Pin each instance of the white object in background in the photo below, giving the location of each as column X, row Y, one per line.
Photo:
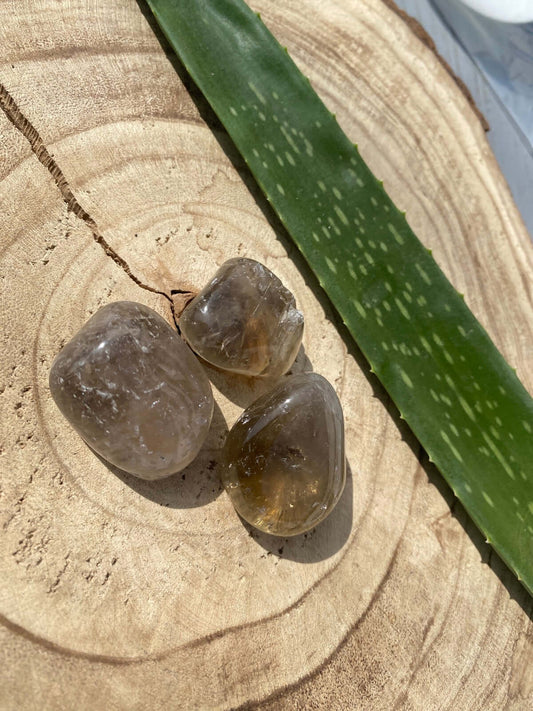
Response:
column 504, row 10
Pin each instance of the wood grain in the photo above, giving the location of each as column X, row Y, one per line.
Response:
column 117, row 182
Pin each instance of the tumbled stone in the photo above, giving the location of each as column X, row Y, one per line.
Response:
column 244, row 321
column 134, row 391
column 284, row 464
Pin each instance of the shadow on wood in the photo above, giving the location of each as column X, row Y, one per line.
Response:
column 197, row 485
column 321, row 542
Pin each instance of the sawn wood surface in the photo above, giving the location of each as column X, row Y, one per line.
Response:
column 115, row 184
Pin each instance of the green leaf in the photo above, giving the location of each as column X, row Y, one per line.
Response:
column 450, row 383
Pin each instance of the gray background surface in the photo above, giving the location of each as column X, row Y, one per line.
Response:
column 495, row 60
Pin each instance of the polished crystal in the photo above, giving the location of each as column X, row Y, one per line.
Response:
column 134, row 391
column 244, row 321
column 284, row 463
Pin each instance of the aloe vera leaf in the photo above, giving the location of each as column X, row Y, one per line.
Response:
column 452, row 386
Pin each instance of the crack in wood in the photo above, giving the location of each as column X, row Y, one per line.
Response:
column 30, row 133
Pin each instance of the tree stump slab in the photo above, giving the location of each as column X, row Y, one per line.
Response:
column 117, row 182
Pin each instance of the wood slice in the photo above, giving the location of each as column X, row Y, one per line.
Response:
column 116, row 183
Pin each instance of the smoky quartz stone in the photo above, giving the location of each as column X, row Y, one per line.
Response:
column 244, row 321
column 134, row 391
column 284, row 462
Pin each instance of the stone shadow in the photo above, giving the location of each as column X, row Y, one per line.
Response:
column 319, row 543
column 196, row 485
column 243, row 390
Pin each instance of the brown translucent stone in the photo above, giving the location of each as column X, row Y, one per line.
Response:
column 245, row 321
column 284, row 464
column 134, row 391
